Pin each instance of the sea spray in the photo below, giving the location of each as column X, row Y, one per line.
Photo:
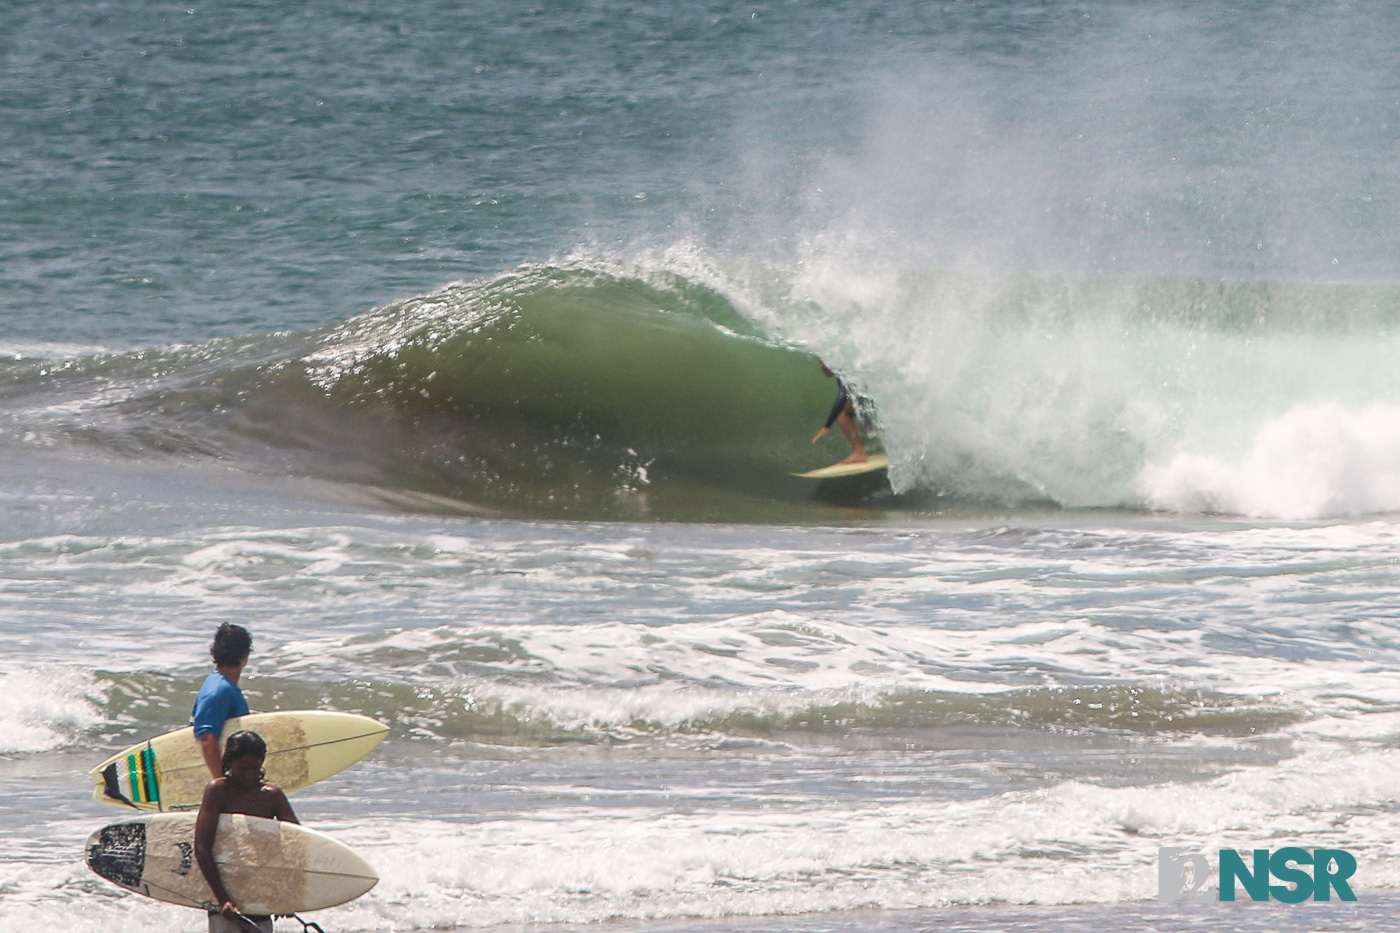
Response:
column 1081, row 390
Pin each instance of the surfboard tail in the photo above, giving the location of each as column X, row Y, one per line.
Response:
column 111, row 790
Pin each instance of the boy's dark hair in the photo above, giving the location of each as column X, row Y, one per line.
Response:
column 241, row 744
column 232, row 644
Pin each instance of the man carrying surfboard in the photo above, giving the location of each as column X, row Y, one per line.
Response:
column 240, row 789
column 220, row 698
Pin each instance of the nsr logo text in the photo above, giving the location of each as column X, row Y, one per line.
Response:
column 1330, row 870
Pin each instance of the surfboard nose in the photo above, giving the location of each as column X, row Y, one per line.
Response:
column 118, row 853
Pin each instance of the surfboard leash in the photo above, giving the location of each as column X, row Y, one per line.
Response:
column 305, row 924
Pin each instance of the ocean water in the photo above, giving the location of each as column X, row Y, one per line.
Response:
column 464, row 353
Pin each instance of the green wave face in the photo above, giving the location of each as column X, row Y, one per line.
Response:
column 668, row 370
column 565, row 391
column 580, row 392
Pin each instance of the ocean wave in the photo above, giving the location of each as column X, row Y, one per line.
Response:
column 556, row 390
column 42, row 709
column 671, row 388
column 137, row 705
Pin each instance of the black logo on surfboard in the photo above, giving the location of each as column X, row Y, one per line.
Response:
column 186, row 858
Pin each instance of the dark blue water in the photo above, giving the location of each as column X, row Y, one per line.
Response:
column 176, row 171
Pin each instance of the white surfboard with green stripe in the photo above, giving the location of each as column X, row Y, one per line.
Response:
column 303, row 746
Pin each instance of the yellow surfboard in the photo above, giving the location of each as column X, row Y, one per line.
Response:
column 876, row 462
column 267, row 866
column 303, row 747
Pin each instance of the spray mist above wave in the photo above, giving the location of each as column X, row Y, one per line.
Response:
column 1063, row 255
column 1112, row 391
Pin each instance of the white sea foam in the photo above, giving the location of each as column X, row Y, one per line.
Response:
column 1074, row 842
column 48, row 350
column 1315, row 461
column 1088, row 391
column 59, row 892
column 946, row 613
column 44, row 708
column 1071, row 843
column 770, row 665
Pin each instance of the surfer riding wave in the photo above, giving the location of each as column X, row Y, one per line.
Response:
column 851, row 412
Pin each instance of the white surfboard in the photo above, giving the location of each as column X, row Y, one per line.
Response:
column 303, row 746
column 876, row 462
column 268, row 867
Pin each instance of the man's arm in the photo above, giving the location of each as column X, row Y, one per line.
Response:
column 205, row 826
column 284, row 808
column 213, row 759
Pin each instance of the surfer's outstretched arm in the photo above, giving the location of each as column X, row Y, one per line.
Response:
column 843, row 403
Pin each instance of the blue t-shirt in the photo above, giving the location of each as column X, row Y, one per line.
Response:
column 219, row 700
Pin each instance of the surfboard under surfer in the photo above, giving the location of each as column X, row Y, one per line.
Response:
column 239, row 789
column 220, row 698
column 843, row 412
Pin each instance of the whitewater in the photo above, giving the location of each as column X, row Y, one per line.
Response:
column 466, row 353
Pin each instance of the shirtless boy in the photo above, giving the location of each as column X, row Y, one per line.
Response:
column 240, row 790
